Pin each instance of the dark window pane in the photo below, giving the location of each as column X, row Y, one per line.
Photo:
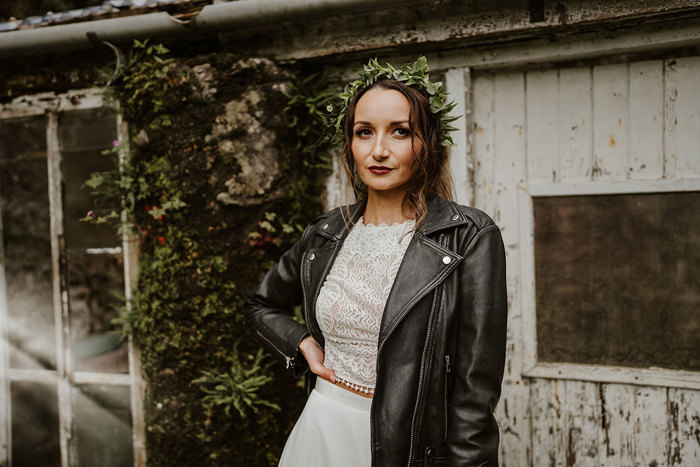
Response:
column 87, row 129
column 24, row 205
column 618, row 279
column 96, row 278
column 103, row 424
column 35, row 425
column 96, row 288
column 83, row 137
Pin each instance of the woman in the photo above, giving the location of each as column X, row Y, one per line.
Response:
column 404, row 296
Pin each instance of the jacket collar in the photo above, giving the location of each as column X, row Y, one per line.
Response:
column 441, row 215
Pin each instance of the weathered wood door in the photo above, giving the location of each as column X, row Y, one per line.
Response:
column 577, row 133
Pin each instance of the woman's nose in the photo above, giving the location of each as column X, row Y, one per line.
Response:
column 380, row 150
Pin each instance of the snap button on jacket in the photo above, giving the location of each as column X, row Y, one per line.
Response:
column 442, row 338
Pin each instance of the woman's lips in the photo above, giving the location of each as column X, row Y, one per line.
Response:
column 379, row 170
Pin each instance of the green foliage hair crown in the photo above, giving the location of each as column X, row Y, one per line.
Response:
column 416, row 76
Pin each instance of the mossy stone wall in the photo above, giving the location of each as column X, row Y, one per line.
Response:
column 229, row 153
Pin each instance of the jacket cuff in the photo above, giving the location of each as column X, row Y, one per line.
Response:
column 299, row 366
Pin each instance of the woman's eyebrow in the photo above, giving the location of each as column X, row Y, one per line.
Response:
column 397, row 122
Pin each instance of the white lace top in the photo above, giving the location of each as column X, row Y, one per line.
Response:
column 351, row 301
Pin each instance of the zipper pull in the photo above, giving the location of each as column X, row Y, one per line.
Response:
column 447, row 363
column 289, row 362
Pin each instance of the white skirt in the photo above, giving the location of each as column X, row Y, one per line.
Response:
column 333, row 430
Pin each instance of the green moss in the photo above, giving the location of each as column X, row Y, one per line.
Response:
column 198, row 257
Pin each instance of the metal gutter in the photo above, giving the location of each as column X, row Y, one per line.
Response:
column 215, row 18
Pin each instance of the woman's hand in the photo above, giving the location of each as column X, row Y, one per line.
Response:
column 314, row 356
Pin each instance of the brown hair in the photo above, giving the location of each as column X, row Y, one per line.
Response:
column 432, row 175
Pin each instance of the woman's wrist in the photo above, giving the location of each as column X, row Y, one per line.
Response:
column 304, row 344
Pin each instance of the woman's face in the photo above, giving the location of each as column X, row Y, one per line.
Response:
column 382, row 143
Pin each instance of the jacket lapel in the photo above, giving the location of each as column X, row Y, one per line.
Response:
column 317, row 262
column 425, row 265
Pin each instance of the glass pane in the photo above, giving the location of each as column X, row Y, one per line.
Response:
column 103, row 426
column 35, row 425
column 87, row 129
column 83, row 136
column 96, row 287
column 618, row 279
column 24, row 205
column 95, row 270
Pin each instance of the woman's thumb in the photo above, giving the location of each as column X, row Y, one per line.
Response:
column 327, row 373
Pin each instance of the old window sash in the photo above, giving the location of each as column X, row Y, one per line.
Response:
column 586, row 372
column 64, row 377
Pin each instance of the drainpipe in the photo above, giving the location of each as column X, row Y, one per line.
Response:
column 220, row 17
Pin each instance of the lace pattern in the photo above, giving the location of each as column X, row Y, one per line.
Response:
column 351, row 301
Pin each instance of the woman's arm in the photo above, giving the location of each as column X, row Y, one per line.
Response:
column 268, row 309
column 472, row 434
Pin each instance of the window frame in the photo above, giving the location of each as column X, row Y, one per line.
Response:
column 532, row 368
column 64, row 377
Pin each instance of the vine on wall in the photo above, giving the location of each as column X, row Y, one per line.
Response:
column 207, row 232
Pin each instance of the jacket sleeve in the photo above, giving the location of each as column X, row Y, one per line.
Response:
column 472, row 434
column 269, row 307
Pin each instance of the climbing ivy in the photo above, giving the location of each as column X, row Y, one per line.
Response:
column 210, row 398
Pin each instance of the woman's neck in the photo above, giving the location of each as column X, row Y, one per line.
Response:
column 384, row 208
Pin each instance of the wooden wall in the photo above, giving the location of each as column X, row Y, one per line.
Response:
column 624, row 127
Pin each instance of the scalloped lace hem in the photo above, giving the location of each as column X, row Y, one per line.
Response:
column 357, row 387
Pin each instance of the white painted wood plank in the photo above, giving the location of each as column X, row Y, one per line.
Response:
column 576, row 123
column 105, row 379
column 567, row 424
column 459, row 155
column 583, row 422
column 5, row 391
column 610, row 121
column 32, row 375
column 547, row 430
column 38, row 104
column 508, row 176
column 484, row 143
column 637, row 429
column 542, row 125
column 82, row 99
column 682, row 122
column 509, row 160
column 684, row 419
column 614, row 187
column 617, row 374
column 130, row 247
column 527, row 281
column 60, row 297
column 646, row 120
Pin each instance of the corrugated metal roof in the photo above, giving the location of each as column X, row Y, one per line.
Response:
column 108, row 9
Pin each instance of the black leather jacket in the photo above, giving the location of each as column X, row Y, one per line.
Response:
column 441, row 341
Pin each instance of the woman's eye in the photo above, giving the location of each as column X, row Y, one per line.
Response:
column 363, row 132
column 402, row 132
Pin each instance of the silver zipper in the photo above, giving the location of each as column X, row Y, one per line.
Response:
column 422, row 367
column 447, row 377
column 303, row 295
column 286, row 357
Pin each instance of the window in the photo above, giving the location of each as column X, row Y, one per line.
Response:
column 71, row 386
column 618, row 279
